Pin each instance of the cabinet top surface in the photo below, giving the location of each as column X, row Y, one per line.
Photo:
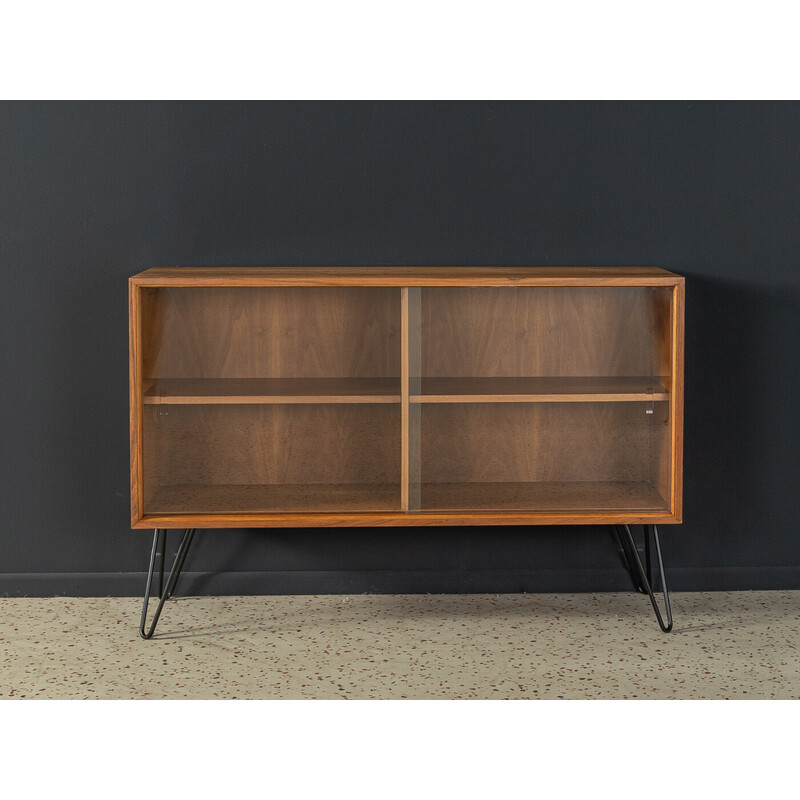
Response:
column 406, row 276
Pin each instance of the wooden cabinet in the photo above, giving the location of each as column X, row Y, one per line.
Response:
column 405, row 396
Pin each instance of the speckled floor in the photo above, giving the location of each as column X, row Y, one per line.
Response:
column 572, row 646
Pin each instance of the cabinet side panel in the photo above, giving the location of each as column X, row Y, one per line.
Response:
column 678, row 338
column 134, row 399
column 151, row 331
column 659, row 330
column 153, row 454
column 660, row 340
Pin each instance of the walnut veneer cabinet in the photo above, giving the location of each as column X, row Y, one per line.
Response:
column 264, row 397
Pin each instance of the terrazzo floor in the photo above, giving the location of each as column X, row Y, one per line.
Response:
column 737, row 645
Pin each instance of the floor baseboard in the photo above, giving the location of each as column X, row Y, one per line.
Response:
column 131, row 584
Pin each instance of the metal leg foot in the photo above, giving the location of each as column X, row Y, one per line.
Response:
column 160, row 551
column 644, row 578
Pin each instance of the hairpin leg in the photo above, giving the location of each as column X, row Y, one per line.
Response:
column 644, row 579
column 160, row 551
column 630, row 564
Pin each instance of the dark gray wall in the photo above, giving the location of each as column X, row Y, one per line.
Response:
column 91, row 193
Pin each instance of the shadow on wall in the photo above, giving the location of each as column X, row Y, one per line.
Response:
column 741, row 427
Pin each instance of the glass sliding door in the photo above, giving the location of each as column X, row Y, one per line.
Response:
column 540, row 399
column 261, row 400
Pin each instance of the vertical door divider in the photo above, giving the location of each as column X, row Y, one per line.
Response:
column 410, row 377
column 405, row 444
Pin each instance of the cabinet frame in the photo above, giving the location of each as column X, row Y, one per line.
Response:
column 403, row 278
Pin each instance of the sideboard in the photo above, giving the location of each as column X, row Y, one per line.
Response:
column 288, row 397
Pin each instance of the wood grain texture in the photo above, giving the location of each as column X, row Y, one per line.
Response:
column 660, row 335
column 274, row 333
column 153, row 454
column 542, row 390
column 541, row 332
column 276, row 498
column 584, row 496
column 233, row 391
column 405, row 276
column 135, row 400
column 315, row 498
column 531, row 442
column 415, row 387
column 658, row 433
column 404, row 408
column 149, row 326
column 401, row 519
column 676, row 433
column 213, row 445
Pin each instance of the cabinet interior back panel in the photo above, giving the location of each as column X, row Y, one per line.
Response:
column 273, row 444
column 532, row 442
column 545, row 331
column 225, row 332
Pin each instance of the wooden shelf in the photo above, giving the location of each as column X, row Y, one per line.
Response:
column 541, row 390
column 216, row 391
column 260, row 499
column 377, row 497
column 581, row 496
column 259, row 391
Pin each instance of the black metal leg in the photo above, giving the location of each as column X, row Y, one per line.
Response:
column 160, row 549
column 180, row 559
column 645, row 578
column 162, row 557
column 630, row 564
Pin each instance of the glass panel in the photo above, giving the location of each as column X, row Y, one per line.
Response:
column 217, row 459
column 543, row 456
column 572, row 331
column 545, row 398
column 271, row 399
